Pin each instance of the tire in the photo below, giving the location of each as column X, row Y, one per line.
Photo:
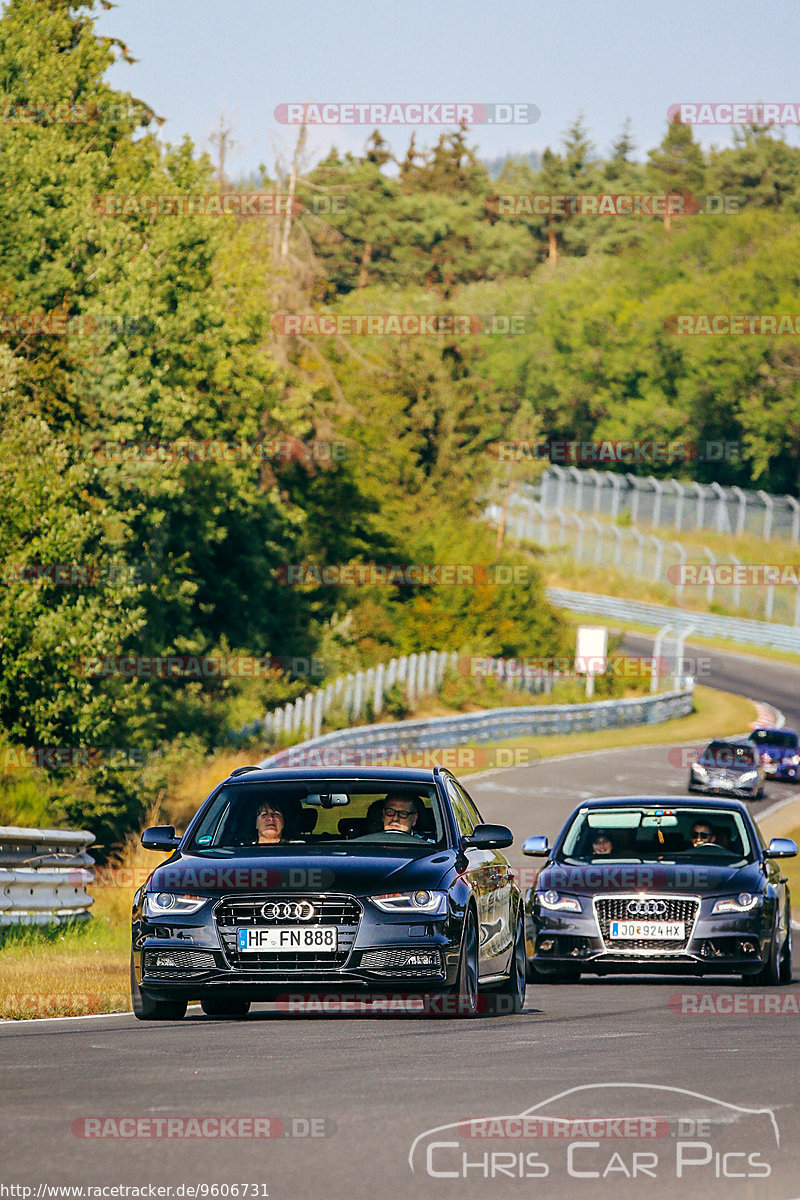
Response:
column 465, row 989
column 509, row 998
column 147, row 1008
column 225, row 1006
column 785, row 968
column 770, row 973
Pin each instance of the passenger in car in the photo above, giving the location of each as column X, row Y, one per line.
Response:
column 270, row 823
column 602, row 844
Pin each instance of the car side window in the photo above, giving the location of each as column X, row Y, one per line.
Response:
column 463, row 820
column 469, row 805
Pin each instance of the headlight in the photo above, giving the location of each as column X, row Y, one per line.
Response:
column 432, row 904
column 795, row 760
column 736, row 904
column 558, row 902
column 698, row 770
column 164, row 904
column 749, row 776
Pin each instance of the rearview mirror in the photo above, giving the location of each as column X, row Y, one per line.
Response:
column 160, row 837
column 536, row 847
column 781, row 848
column 328, row 799
column 488, row 837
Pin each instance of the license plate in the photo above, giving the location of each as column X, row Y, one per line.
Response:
column 287, row 939
column 657, row 930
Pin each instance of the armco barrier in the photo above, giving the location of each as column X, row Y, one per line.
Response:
column 756, row 633
column 498, row 724
column 43, row 874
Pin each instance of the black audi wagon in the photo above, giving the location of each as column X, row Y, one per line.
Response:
column 333, row 881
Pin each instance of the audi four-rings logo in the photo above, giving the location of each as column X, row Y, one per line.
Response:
column 288, row 910
column 646, row 908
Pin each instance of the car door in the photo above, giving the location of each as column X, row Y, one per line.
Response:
column 477, row 871
column 497, row 932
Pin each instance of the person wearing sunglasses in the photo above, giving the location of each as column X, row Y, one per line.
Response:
column 702, row 834
column 400, row 814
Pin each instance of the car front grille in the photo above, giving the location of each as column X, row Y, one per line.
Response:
column 723, row 778
column 234, row 912
column 677, row 908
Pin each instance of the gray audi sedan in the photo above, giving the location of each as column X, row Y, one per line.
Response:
column 659, row 884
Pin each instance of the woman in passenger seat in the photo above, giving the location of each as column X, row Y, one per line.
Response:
column 270, row 823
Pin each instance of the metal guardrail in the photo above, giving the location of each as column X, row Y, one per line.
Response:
column 43, row 874
column 374, row 744
column 739, row 629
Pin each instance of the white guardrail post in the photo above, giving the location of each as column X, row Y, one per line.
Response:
column 43, row 874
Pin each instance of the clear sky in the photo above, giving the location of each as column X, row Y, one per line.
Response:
column 610, row 59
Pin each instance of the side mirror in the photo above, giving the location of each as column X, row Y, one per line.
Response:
column 160, row 837
column 536, row 847
column 488, row 837
column 781, row 848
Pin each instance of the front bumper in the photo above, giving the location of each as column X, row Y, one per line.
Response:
column 721, row 786
column 715, row 945
column 198, row 955
column 782, row 772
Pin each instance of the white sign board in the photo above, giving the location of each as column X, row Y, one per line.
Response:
column 591, row 653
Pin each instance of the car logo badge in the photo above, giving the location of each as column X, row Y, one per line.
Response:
column 646, row 908
column 288, row 910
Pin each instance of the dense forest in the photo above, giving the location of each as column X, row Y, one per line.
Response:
column 141, row 321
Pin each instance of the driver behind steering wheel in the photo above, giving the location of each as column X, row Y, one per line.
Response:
column 400, row 813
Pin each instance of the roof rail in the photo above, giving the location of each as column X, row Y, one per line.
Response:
column 242, row 771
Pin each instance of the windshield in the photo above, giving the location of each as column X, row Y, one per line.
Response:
column 321, row 813
column 649, row 834
column 726, row 754
column 774, row 737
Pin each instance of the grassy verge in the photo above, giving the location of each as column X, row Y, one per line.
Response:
column 84, row 968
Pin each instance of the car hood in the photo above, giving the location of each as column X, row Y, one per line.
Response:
column 681, row 878
column 732, row 767
column 375, row 869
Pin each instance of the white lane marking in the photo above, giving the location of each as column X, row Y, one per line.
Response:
column 84, row 1017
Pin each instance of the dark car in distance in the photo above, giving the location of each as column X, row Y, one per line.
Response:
column 660, row 885
column 779, row 753
column 382, row 881
column 728, row 767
